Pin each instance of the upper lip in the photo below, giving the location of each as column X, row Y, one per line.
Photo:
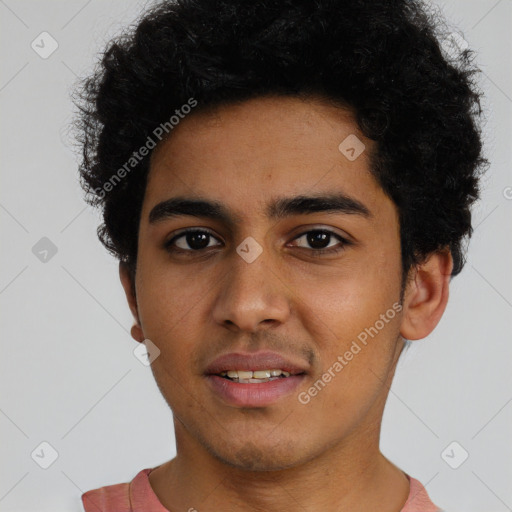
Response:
column 253, row 361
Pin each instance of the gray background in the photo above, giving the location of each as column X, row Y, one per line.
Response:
column 68, row 374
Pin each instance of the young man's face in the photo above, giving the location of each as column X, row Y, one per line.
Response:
column 211, row 299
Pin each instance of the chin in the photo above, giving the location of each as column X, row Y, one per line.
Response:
column 253, row 457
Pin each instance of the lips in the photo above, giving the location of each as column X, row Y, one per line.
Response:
column 246, row 396
column 248, row 393
column 256, row 361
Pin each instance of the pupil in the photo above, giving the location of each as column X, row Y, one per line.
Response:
column 197, row 240
column 317, row 240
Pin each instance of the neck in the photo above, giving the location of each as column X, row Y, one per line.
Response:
column 350, row 479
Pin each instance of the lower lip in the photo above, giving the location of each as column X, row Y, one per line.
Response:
column 254, row 395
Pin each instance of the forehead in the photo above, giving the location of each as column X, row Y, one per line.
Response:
column 243, row 155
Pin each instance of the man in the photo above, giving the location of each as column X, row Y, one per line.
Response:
column 287, row 186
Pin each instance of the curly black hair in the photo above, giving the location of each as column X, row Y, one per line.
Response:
column 386, row 59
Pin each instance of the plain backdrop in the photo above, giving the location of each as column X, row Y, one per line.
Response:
column 69, row 377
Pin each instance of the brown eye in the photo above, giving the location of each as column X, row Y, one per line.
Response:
column 322, row 241
column 192, row 240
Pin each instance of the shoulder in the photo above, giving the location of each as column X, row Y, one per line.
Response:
column 418, row 499
column 113, row 498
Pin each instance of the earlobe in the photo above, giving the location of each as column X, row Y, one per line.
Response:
column 136, row 332
column 129, row 289
column 426, row 295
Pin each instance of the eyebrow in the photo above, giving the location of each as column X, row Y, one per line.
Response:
column 276, row 209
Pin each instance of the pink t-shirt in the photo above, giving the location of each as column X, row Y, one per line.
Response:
column 138, row 496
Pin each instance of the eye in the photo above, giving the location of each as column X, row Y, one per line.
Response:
column 190, row 240
column 320, row 241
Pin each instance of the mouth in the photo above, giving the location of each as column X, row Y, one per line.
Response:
column 257, row 379
column 253, row 389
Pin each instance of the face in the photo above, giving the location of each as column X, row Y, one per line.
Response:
column 315, row 281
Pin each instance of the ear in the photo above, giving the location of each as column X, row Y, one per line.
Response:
column 426, row 295
column 127, row 280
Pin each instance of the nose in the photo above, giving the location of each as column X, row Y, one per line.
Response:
column 252, row 296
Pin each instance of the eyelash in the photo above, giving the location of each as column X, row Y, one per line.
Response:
column 315, row 252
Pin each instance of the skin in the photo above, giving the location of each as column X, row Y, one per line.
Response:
column 323, row 455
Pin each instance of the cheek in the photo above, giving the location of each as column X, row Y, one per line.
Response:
column 169, row 305
column 348, row 299
column 354, row 319
column 355, row 344
column 167, row 295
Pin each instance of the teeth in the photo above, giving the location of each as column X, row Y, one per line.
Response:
column 261, row 374
column 251, row 375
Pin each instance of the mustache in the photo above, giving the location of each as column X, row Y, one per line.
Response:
column 262, row 340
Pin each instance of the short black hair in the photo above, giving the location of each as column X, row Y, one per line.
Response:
column 385, row 59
